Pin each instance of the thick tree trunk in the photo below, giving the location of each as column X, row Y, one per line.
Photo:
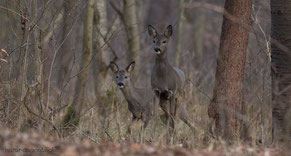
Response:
column 100, row 69
column 227, row 104
column 65, row 55
column 180, row 34
column 281, row 67
column 72, row 116
column 130, row 19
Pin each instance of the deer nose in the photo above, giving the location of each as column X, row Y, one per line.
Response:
column 120, row 85
column 157, row 50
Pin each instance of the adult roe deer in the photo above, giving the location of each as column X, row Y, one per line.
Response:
column 167, row 82
column 139, row 99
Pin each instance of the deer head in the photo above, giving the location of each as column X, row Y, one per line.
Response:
column 160, row 41
column 122, row 76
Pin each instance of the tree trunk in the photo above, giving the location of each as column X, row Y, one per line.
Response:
column 131, row 24
column 281, row 67
column 180, row 34
column 73, row 114
column 65, row 55
column 100, row 69
column 226, row 107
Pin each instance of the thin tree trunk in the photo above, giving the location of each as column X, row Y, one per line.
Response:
column 226, row 106
column 281, row 68
column 23, row 60
column 180, row 34
column 199, row 35
column 130, row 19
column 38, row 75
column 72, row 116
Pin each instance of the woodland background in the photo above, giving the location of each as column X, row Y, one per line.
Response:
column 57, row 64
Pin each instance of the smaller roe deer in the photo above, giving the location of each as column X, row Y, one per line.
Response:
column 139, row 99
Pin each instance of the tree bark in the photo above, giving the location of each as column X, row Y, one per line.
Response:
column 226, row 107
column 100, row 69
column 73, row 114
column 281, row 67
column 131, row 24
column 65, row 55
column 180, row 34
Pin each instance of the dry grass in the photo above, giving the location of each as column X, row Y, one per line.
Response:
column 35, row 144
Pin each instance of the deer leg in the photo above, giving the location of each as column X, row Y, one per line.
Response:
column 169, row 94
column 143, row 127
column 142, row 131
column 172, row 112
column 164, row 118
column 168, row 121
column 184, row 117
column 157, row 92
column 166, row 109
column 145, row 124
column 172, row 107
column 130, row 124
column 156, row 101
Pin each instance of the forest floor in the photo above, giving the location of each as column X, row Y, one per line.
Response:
column 14, row 143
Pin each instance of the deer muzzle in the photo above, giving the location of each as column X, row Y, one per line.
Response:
column 120, row 85
column 157, row 50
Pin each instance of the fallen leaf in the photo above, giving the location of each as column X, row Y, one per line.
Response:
column 4, row 60
column 3, row 50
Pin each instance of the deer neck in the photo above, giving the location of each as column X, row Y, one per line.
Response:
column 162, row 58
column 128, row 91
column 162, row 62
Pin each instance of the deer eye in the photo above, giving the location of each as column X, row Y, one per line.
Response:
column 154, row 41
column 164, row 41
column 126, row 77
column 117, row 76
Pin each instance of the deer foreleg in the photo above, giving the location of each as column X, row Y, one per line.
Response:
column 169, row 94
column 130, row 124
column 172, row 111
column 156, row 101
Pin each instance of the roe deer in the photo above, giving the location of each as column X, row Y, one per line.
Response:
column 139, row 99
column 167, row 82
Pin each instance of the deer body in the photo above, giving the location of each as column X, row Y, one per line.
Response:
column 165, row 77
column 139, row 99
column 167, row 81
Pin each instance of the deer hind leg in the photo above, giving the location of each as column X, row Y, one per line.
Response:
column 166, row 117
column 183, row 114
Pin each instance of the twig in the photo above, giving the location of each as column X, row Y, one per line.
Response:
column 81, row 70
column 111, row 139
column 53, row 61
column 93, row 140
column 117, row 11
column 33, row 113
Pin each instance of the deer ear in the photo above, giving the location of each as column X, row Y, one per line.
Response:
column 130, row 67
column 169, row 31
column 114, row 67
column 152, row 31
